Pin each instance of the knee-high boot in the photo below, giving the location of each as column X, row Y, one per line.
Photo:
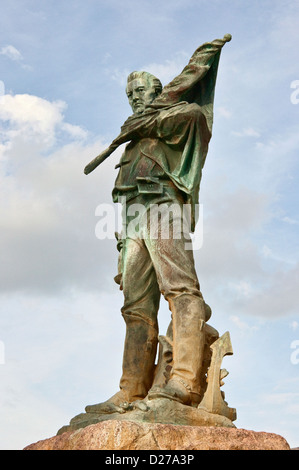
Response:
column 138, row 365
column 139, row 357
column 188, row 314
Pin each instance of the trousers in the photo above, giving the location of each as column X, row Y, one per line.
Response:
column 154, row 261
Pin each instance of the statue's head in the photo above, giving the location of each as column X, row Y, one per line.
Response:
column 142, row 89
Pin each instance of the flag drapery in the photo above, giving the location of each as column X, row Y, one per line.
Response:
column 196, row 84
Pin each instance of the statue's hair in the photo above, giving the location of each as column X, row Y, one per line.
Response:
column 149, row 77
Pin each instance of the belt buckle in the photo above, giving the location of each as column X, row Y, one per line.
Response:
column 149, row 185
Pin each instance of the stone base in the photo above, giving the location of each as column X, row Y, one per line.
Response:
column 160, row 410
column 128, row 435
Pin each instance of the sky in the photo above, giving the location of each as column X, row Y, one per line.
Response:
column 63, row 69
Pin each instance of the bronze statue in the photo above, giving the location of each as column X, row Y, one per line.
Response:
column 168, row 137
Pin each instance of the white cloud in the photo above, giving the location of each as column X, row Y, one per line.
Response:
column 31, row 117
column 47, row 203
column 243, row 326
column 290, row 220
column 169, row 69
column 248, row 132
column 285, row 25
column 49, row 370
column 75, row 131
column 277, row 296
column 53, row 271
column 164, row 71
column 11, row 52
column 294, row 325
column 286, row 398
column 224, row 112
column 283, row 143
column 119, row 76
column 270, row 255
column 243, row 288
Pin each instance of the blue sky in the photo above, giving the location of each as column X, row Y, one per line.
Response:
column 63, row 66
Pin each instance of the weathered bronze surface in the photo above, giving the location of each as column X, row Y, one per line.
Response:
column 167, row 142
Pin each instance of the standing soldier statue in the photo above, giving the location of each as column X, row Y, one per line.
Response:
column 167, row 142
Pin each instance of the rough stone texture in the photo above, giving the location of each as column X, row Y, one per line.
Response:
column 127, row 435
column 160, row 410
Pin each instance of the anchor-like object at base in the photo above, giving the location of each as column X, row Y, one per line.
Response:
column 213, row 399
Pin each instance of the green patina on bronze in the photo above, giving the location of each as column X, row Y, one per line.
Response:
column 181, row 118
column 167, row 143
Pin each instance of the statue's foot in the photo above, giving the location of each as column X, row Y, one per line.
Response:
column 176, row 389
column 115, row 404
column 135, row 405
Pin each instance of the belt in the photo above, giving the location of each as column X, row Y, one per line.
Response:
column 149, row 185
column 146, row 185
